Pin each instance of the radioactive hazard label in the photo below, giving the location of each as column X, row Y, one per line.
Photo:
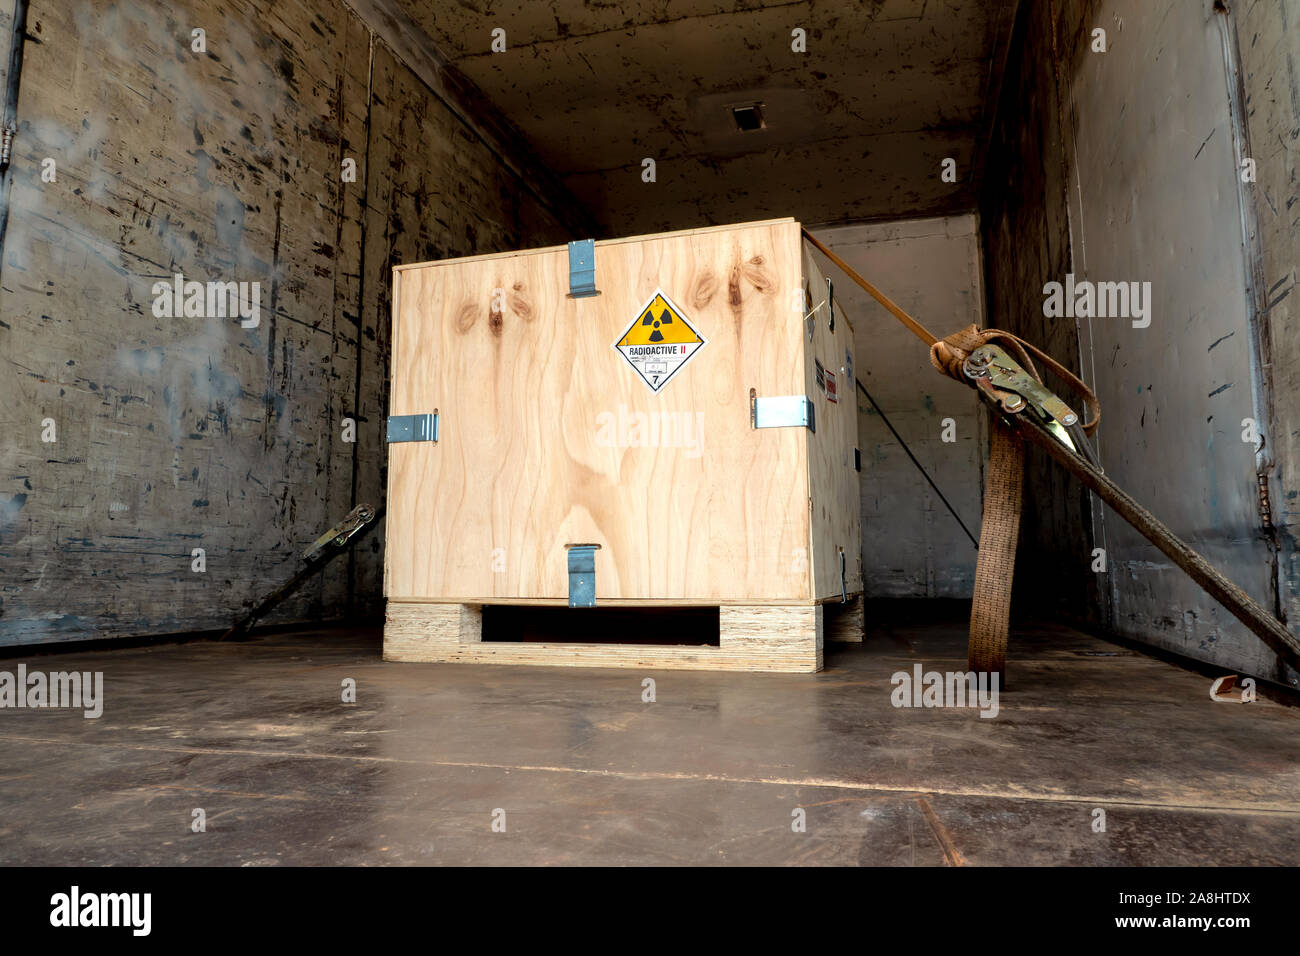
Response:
column 659, row 341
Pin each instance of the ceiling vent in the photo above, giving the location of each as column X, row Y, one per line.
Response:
column 748, row 117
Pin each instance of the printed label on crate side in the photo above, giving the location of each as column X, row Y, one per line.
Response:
column 659, row 342
column 830, row 387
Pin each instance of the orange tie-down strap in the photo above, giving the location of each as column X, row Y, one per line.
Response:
column 1004, row 486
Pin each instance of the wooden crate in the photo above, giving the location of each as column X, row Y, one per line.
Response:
column 549, row 434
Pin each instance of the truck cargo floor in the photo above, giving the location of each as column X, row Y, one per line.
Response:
column 713, row 771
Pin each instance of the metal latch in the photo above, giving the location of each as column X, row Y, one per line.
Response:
column 582, row 269
column 782, row 411
column 582, row 574
column 413, row 427
column 1002, row 379
column 357, row 518
column 990, row 364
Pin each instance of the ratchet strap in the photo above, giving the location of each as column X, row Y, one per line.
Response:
column 995, row 565
column 1000, row 366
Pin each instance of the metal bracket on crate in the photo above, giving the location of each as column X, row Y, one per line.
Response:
column 413, row 427
column 582, row 269
column 582, row 574
column 782, row 411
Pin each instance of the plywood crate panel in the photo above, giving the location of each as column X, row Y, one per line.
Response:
column 548, row 436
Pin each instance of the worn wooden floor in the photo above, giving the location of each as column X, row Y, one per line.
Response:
column 587, row 773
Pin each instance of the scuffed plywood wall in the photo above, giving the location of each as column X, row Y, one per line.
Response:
column 1120, row 166
column 1269, row 40
column 6, row 29
column 1025, row 230
column 1156, row 176
column 182, row 433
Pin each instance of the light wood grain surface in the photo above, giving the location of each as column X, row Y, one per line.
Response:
column 834, row 498
column 532, row 457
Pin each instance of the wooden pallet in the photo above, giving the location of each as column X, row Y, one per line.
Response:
column 756, row 637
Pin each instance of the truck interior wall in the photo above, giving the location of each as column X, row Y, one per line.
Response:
column 6, row 29
column 911, row 546
column 1025, row 234
column 181, row 433
column 1268, row 43
column 1096, row 171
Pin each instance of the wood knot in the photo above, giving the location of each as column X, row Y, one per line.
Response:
column 519, row 305
column 753, row 271
column 466, row 318
column 705, row 289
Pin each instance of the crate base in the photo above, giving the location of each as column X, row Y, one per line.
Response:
column 846, row 623
column 757, row 637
